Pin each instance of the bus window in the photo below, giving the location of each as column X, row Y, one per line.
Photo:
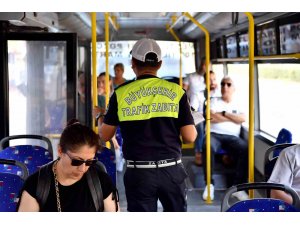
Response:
column 119, row 52
column 279, row 88
column 219, row 71
column 240, row 75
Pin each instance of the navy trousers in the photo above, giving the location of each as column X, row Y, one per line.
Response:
column 144, row 187
column 236, row 147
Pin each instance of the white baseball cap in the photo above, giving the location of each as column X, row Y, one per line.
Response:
column 144, row 46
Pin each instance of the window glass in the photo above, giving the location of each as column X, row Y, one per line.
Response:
column 243, row 43
column 240, row 76
column 220, row 48
column 37, row 87
column 119, row 52
column 290, row 38
column 231, row 47
column 218, row 70
column 279, row 91
column 266, row 41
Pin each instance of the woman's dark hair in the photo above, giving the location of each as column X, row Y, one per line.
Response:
column 76, row 135
column 103, row 74
column 120, row 65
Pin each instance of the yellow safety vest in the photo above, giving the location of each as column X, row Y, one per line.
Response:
column 148, row 98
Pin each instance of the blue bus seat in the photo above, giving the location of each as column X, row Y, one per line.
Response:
column 108, row 158
column 31, row 155
column 260, row 204
column 271, row 158
column 284, row 136
column 11, row 185
column 283, row 140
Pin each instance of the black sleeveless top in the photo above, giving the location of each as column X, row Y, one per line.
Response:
column 73, row 198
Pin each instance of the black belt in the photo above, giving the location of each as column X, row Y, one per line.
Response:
column 152, row 164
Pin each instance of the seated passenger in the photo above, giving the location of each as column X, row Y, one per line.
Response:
column 226, row 120
column 287, row 172
column 69, row 186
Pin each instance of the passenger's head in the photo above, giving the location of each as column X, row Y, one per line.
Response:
column 76, row 135
column 227, row 88
column 202, row 67
column 146, row 55
column 81, row 83
column 78, row 143
column 213, row 80
column 101, row 82
column 119, row 70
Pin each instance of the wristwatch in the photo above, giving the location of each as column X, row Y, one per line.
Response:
column 99, row 115
column 223, row 113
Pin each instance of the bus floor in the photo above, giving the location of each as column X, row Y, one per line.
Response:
column 195, row 187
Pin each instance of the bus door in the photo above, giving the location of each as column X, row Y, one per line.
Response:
column 39, row 83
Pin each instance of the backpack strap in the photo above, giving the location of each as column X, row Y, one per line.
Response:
column 43, row 184
column 95, row 188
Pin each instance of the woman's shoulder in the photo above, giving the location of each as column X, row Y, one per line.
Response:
column 30, row 184
column 33, row 180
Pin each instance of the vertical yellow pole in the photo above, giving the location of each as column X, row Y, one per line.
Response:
column 94, row 64
column 180, row 53
column 251, row 102
column 106, row 15
column 207, row 55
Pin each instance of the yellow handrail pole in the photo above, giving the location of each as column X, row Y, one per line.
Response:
column 94, row 64
column 180, row 52
column 208, row 153
column 106, row 16
column 107, row 91
column 251, row 101
column 175, row 20
column 112, row 20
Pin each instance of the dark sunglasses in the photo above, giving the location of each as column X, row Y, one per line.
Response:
column 79, row 162
column 224, row 83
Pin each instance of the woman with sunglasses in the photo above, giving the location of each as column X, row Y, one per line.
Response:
column 69, row 188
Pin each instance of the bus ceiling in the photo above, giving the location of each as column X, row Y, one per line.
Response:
column 135, row 25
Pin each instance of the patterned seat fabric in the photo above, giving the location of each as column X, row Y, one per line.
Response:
column 10, row 186
column 32, row 156
column 262, row 205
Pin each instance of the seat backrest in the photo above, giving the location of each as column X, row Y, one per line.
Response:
column 284, row 140
column 108, row 158
column 271, row 157
column 11, row 185
column 260, row 204
column 31, row 155
column 284, row 136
